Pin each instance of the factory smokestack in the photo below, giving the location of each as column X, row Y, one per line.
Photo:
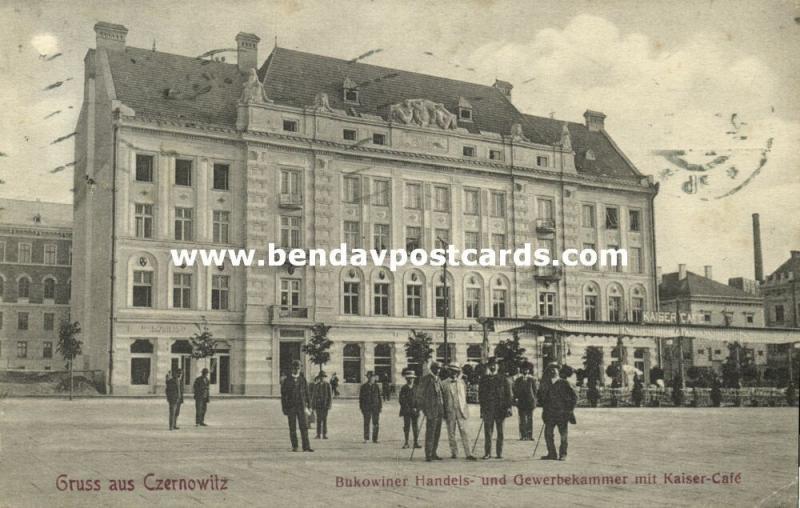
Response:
column 757, row 259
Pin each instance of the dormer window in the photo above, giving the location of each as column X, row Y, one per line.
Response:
column 464, row 110
column 590, row 155
column 350, row 91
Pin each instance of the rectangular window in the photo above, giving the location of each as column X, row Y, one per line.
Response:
column 49, row 321
column 413, row 238
column 441, row 200
column 142, row 289
column 465, row 114
column 1, row 320
column 221, row 174
column 637, row 309
column 472, row 240
column 635, row 259
column 183, row 172
column 352, row 234
column 590, row 308
column 352, row 291
column 290, row 293
column 184, row 224
column 587, row 216
column 22, row 349
column 634, row 220
column 222, row 220
column 499, row 299
column 612, row 217
column 22, row 320
column 547, row 304
column 495, row 155
column 498, row 204
column 779, row 314
column 380, row 192
column 290, row 182
column 615, row 308
column 442, row 236
column 591, row 246
column 749, row 318
column 50, row 254
column 380, row 237
column 24, row 253
column 220, row 292
column 47, row 350
column 352, row 189
column 349, row 134
column 617, row 268
column 290, row 232
column 472, row 204
column 181, row 290
column 144, row 220
column 290, row 125
column 2, row 251
column 545, row 208
column 381, row 299
column 541, row 160
column 472, row 298
column 414, row 196
column 414, row 300
column 144, row 168
column 140, row 371
column 378, row 139
column 351, row 363
column 351, row 96
column 498, row 242
column 468, row 151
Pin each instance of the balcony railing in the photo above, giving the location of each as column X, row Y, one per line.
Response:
column 547, row 274
column 545, row 225
column 279, row 313
column 291, row 201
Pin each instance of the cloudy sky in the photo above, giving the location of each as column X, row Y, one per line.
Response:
column 701, row 95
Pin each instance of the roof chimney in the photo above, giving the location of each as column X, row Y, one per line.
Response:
column 795, row 254
column 681, row 272
column 595, row 120
column 247, row 51
column 708, row 272
column 757, row 259
column 504, row 86
column 110, row 36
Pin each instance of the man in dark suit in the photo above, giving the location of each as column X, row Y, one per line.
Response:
column 172, row 399
column 558, row 400
column 408, row 408
column 371, row 403
column 494, row 395
column 524, row 391
column 431, row 401
column 295, row 401
column 202, row 390
column 321, row 398
column 178, row 375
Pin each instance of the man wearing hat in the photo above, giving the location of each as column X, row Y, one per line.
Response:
column 494, row 395
column 201, row 389
column 456, row 411
column 371, row 403
column 408, row 407
column 429, row 399
column 295, row 401
column 524, row 391
column 558, row 400
column 321, row 399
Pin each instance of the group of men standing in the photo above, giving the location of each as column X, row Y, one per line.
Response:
column 174, row 392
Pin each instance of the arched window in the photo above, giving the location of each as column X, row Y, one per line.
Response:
column 383, row 361
column 499, row 297
column 141, row 352
column 24, row 287
column 443, row 296
column 381, row 293
column 49, row 288
column 590, row 302
column 638, row 304
column 415, row 286
column 474, row 353
column 616, row 309
column 473, row 296
column 351, row 363
column 351, row 293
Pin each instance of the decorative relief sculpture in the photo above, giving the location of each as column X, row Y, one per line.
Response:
column 566, row 140
column 517, row 134
column 322, row 103
column 424, row 113
column 253, row 91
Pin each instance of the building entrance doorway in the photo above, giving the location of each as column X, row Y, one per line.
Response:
column 289, row 351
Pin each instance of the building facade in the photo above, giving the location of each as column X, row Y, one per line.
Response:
column 308, row 151
column 35, row 282
column 781, row 293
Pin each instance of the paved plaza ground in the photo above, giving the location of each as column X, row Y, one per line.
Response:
column 247, row 444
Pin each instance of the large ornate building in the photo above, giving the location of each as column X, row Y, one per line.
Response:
column 35, row 258
column 310, row 151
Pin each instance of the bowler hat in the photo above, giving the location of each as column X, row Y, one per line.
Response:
column 295, row 364
column 370, row 373
column 409, row 374
column 492, row 361
column 452, row 367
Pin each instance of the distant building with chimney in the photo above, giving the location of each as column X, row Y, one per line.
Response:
column 781, row 292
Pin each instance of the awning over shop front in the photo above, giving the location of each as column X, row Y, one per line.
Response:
column 654, row 330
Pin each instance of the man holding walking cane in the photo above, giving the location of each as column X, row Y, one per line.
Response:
column 429, row 399
column 494, row 395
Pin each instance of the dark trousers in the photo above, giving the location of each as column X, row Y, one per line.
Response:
column 375, row 417
column 174, row 412
column 488, row 428
column 549, row 438
column 433, row 429
column 322, row 422
column 200, row 411
column 526, row 423
column 411, row 423
column 298, row 420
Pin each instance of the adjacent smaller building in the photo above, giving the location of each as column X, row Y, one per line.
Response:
column 781, row 293
column 35, row 281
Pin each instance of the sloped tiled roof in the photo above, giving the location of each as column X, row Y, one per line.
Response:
column 694, row 285
column 791, row 265
column 19, row 212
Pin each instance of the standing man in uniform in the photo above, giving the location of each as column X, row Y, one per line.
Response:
column 294, row 403
column 408, row 408
column 456, row 411
column 494, row 395
column 202, row 397
column 524, row 391
column 321, row 399
column 430, row 400
column 371, row 403
column 558, row 401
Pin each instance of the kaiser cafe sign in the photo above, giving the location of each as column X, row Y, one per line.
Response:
column 686, row 318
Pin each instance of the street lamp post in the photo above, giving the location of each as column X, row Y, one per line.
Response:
column 446, row 304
